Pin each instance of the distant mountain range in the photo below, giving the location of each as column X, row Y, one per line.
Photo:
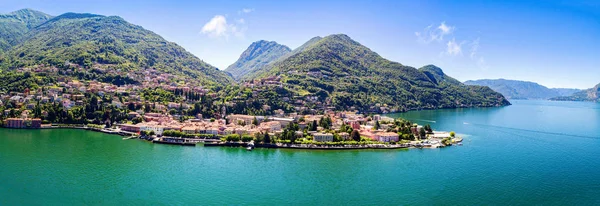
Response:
column 592, row 94
column 338, row 69
column 31, row 38
column 258, row 55
column 514, row 89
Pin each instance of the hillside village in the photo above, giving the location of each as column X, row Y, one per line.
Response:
column 138, row 114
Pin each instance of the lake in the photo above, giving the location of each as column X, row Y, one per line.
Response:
column 533, row 152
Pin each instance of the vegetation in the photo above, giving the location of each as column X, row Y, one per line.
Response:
column 14, row 25
column 93, row 41
column 339, row 69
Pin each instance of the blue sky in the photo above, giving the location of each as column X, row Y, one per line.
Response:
column 554, row 43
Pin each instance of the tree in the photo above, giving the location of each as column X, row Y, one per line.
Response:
column 452, row 134
column 267, row 138
column 355, row 135
column 422, row 132
column 147, row 108
column 258, row 137
column 428, row 128
column 131, row 106
column 246, row 138
column 325, row 122
column 292, row 136
column 407, row 137
column 233, row 138
column 313, row 126
column 137, row 120
column 255, row 121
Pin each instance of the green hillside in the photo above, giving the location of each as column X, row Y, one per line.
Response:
column 95, row 41
column 14, row 25
column 338, row 69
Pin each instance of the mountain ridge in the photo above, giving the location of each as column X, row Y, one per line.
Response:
column 592, row 94
column 256, row 56
column 92, row 40
column 15, row 24
column 338, row 69
column 517, row 89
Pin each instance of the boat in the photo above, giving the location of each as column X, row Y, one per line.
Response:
column 249, row 148
column 174, row 141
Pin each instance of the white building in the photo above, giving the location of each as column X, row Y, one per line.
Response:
column 387, row 137
column 323, row 137
column 158, row 130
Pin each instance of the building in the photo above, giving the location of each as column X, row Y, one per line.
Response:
column 344, row 135
column 284, row 121
column 212, row 130
column 158, row 130
column 271, row 126
column 387, row 137
column 323, row 137
column 130, row 128
column 132, row 115
column 247, row 119
column 189, row 130
column 355, row 125
column 22, row 123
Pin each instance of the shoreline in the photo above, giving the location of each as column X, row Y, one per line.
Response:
column 186, row 142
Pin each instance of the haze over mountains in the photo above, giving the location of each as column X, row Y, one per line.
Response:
column 334, row 71
column 592, row 94
column 258, row 55
column 515, row 89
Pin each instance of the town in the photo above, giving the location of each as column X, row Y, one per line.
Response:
column 165, row 109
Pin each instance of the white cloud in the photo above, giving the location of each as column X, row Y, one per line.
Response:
column 482, row 64
column 430, row 34
column 474, row 48
column 445, row 28
column 241, row 21
column 218, row 27
column 453, row 48
column 246, row 10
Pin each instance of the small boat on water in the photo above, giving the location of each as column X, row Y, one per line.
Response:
column 175, row 141
column 459, row 144
column 250, row 146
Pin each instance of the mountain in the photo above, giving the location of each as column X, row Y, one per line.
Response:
column 338, row 69
column 257, row 55
column 16, row 24
column 300, row 48
column 565, row 91
column 514, row 89
column 592, row 94
column 266, row 67
column 106, row 42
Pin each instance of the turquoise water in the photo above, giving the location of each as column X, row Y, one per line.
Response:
column 533, row 152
